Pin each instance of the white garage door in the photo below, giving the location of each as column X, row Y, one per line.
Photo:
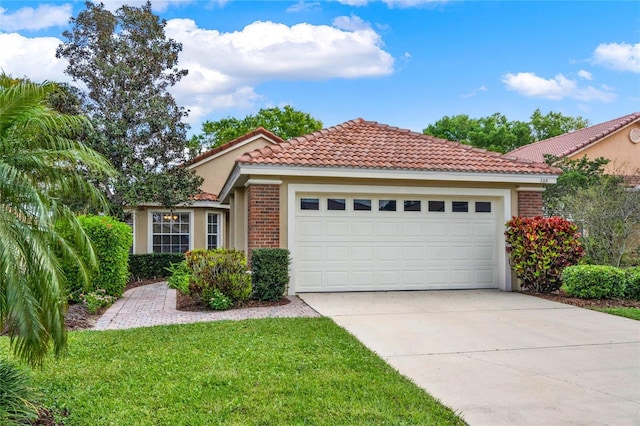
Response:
column 391, row 242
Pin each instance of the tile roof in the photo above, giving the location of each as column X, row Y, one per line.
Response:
column 205, row 196
column 259, row 131
column 567, row 144
column 370, row 145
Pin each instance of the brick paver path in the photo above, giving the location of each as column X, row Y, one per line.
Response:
column 155, row 304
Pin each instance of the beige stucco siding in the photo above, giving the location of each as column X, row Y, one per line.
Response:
column 216, row 169
column 623, row 153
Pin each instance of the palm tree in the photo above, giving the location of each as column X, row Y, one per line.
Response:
column 40, row 158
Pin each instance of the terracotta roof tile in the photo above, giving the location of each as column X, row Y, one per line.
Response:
column 259, row 131
column 205, row 196
column 567, row 144
column 370, row 145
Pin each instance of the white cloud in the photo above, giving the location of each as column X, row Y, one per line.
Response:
column 34, row 58
column 350, row 23
column 303, row 6
column 28, row 18
column 392, row 3
column 475, row 91
column 559, row 87
column 618, row 56
column 585, row 74
column 227, row 66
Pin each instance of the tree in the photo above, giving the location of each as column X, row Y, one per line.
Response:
column 554, row 124
column 497, row 133
column 127, row 64
column 39, row 158
column 287, row 123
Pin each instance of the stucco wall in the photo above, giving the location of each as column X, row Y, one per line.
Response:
column 624, row 154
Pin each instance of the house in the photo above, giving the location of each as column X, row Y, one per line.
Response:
column 361, row 206
column 617, row 140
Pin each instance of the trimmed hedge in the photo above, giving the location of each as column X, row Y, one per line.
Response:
column 540, row 248
column 632, row 286
column 111, row 240
column 152, row 265
column 221, row 269
column 270, row 275
column 594, row 281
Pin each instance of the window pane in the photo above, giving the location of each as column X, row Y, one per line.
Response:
column 436, row 206
column 387, row 205
column 412, row 205
column 483, row 207
column 460, row 206
column 309, row 204
column 336, row 204
column 364, row 205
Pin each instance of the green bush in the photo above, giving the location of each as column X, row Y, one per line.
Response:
column 97, row 299
column 152, row 265
column 180, row 277
column 540, row 248
column 111, row 241
column 270, row 276
column 16, row 395
column 221, row 269
column 632, row 283
column 593, row 281
column 216, row 300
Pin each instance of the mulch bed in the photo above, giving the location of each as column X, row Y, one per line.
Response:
column 562, row 297
column 186, row 303
column 46, row 418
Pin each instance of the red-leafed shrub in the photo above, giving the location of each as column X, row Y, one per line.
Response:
column 540, row 248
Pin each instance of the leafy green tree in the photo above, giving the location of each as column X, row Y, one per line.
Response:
column 554, row 124
column 497, row 133
column 39, row 158
column 287, row 123
column 127, row 64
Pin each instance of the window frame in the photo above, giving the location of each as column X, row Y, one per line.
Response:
column 164, row 211
column 206, row 224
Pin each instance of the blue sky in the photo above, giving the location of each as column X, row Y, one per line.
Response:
column 406, row 63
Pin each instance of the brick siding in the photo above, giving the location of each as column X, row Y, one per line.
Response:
column 263, row 216
column 529, row 203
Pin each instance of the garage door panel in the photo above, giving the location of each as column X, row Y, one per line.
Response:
column 372, row 250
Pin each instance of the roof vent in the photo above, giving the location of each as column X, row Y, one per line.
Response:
column 634, row 135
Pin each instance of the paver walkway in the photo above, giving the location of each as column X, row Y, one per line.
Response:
column 155, row 304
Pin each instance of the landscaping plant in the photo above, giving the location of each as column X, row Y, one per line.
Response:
column 152, row 265
column 540, row 248
column 221, row 269
column 16, row 394
column 180, row 277
column 270, row 275
column 632, row 283
column 593, row 281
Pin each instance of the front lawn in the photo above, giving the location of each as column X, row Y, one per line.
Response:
column 633, row 313
column 268, row 372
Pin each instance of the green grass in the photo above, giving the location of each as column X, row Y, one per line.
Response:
column 297, row 371
column 633, row 313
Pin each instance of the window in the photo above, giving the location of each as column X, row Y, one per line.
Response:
column 336, row 204
column 483, row 207
column 309, row 204
column 129, row 220
column 459, row 206
column 436, row 206
column 170, row 232
column 412, row 205
column 362, row 205
column 213, row 231
column 387, row 205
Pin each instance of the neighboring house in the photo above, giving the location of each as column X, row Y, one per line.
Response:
column 617, row 140
column 361, row 206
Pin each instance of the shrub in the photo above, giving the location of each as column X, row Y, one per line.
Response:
column 270, row 276
column 152, row 265
column 180, row 277
column 111, row 241
column 222, row 269
column 540, row 248
column 97, row 299
column 16, row 395
column 632, row 283
column 593, row 281
column 216, row 300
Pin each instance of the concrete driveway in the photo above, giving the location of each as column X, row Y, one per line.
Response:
column 501, row 358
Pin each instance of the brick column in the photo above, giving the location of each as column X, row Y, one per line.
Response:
column 263, row 217
column 530, row 203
